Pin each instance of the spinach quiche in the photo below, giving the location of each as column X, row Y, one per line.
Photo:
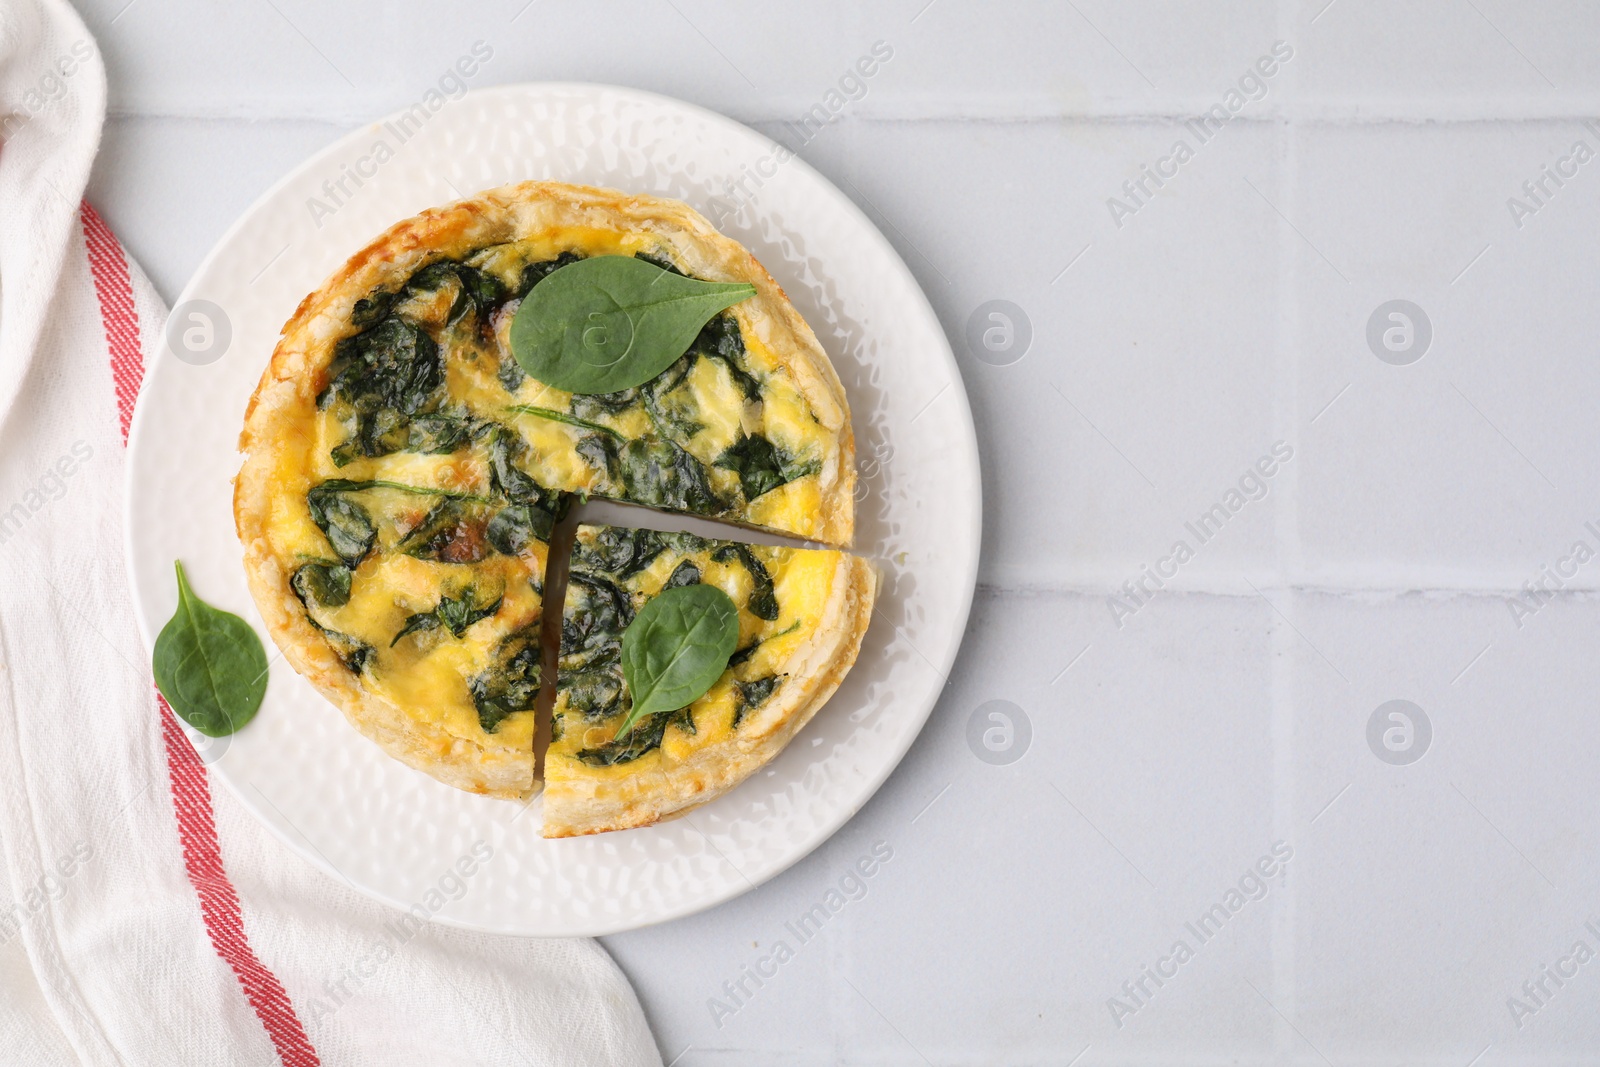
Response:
column 801, row 617
column 405, row 473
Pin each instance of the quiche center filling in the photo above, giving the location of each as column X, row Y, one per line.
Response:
column 435, row 471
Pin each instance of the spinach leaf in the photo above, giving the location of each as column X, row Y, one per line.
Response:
column 673, row 416
column 347, row 485
column 753, row 695
column 640, row 741
column 516, row 527
column 475, row 292
column 394, row 364
column 683, row 542
column 534, row 273
column 511, row 683
column 685, row 573
column 452, row 613
column 509, row 373
column 388, row 373
column 437, row 434
column 356, row 655
column 657, row 473
column 763, row 601
column 596, row 615
column 385, row 431
column 596, row 694
column 720, row 340
column 510, row 480
column 323, row 585
column 744, row 654
column 570, row 420
column 374, row 431
column 210, row 665
column 453, row 531
column 618, row 551
column 593, row 405
column 458, row 613
column 372, row 307
column 599, row 452
column 345, row 523
column 755, row 461
column 676, row 648
column 761, row 465
column 613, row 322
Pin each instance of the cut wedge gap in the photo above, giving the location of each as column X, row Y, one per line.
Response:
column 555, row 594
column 604, row 512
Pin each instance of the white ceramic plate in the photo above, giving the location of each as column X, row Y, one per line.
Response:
column 393, row 832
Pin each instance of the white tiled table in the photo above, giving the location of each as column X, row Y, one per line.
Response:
column 1226, row 313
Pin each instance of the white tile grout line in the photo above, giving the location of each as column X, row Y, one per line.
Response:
column 1286, row 530
column 362, row 110
column 1246, row 583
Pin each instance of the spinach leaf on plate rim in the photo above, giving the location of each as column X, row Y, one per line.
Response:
column 209, row 665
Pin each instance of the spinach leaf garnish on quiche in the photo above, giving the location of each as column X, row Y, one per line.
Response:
column 611, row 323
column 677, row 647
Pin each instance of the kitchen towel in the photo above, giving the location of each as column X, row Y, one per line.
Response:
column 144, row 917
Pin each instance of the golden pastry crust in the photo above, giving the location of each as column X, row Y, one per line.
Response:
column 278, row 437
column 577, row 802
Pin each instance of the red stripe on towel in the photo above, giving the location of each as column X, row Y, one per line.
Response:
column 191, row 792
column 110, row 269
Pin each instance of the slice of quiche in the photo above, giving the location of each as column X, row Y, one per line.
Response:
column 417, row 610
column 403, row 473
column 802, row 615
